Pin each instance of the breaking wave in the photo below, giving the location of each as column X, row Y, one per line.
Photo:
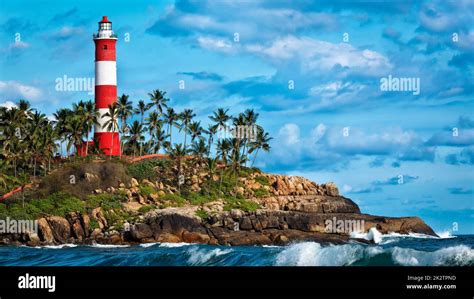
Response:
column 390, row 250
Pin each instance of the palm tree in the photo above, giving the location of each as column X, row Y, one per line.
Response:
column 237, row 160
column 261, row 142
column 61, row 116
column 186, row 117
column 177, row 154
column 250, row 120
column 158, row 99
column 90, row 116
column 111, row 123
column 170, row 118
column 159, row 140
column 49, row 144
column 223, row 148
column 142, row 107
column 135, row 137
column 195, row 130
column 124, row 110
column 220, row 117
column 154, row 124
column 211, row 132
column 74, row 129
column 211, row 165
column 199, row 149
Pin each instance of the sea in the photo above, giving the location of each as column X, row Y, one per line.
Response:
column 388, row 250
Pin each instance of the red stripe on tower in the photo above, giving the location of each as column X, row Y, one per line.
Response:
column 105, row 87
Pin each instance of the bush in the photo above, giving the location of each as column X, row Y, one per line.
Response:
column 174, row 199
column 202, row 214
column 58, row 204
column 146, row 209
column 198, row 199
column 261, row 192
column 146, row 169
column 241, row 204
column 146, row 190
column 105, row 200
column 262, row 180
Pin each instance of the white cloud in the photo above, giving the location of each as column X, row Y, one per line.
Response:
column 8, row 104
column 12, row 90
column 289, row 134
column 213, row 43
column 315, row 54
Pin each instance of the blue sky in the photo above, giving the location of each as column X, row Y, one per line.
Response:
column 334, row 53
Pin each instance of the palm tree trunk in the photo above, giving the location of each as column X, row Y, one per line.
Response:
column 254, row 157
column 113, row 137
column 87, row 144
column 34, row 167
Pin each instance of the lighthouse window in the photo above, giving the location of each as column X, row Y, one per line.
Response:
column 105, row 47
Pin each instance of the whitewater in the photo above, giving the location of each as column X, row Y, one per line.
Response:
column 387, row 250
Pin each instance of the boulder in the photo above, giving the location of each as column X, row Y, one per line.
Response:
column 141, row 231
column 60, row 228
column 44, row 231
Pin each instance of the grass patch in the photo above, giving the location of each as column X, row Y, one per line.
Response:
column 241, row 204
column 263, row 180
column 261, row 192
column 146, row 169
column 146, row 190
column 173, row 200
column 146, row 209
column 202, row 214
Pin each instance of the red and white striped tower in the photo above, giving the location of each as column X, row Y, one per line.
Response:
column 105, row 85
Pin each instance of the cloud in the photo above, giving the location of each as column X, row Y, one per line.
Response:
column 460, row 191
column 460, row 134
column 377, row 186
column 313, row 54
column 465, row 156
column 8, row 104
column 328, row 147
column 202, row 75
column 14, row 90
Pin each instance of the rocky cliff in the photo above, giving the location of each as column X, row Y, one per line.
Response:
column 290, row 209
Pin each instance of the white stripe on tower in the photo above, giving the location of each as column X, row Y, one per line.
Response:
column 101, row 121
column 105, row 73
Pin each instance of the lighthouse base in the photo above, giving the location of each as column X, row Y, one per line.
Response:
column 109, row 143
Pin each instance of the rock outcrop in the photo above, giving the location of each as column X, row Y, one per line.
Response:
column 291, row 209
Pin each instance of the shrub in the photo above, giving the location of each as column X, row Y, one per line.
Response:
column 146, row 209
column 146, row 169
column 146, row 190
column 261, row 192
column 241, row 204
column 105, row 200
column 202, row 214
column 174, row 199
column 198, row 199
column 262, row 180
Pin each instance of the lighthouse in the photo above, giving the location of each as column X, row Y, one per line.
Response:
column 105, row 86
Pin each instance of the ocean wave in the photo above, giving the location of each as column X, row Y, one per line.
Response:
column 314, row 254
column 200, row 256
column 460, row 255
column 172, row 245
column 378, row 238
column 108, row 246
column 56, row 246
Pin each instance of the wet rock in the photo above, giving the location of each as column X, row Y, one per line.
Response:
column 60, row 228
